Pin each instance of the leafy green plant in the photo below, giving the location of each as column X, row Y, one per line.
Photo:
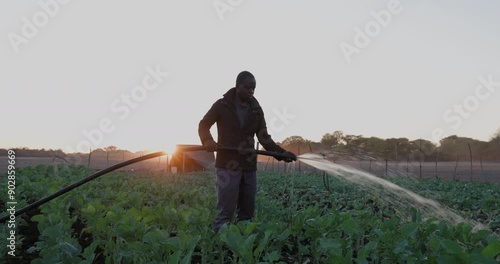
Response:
column 150, row 218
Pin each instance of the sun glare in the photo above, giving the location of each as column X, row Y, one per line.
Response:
column 169, row 149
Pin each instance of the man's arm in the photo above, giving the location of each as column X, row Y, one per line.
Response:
column 266, row 140
column 204, row 128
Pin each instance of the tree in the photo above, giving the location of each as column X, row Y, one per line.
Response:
column 454, row 145
column 376, row 146
column 293, row 141
column 98, row 150
column 492, row 151
column 296, row 143
column 331, row 140
column 354, row 143
column 423, row 148
column 402, row 145
column 111, row 148
column 496, row 135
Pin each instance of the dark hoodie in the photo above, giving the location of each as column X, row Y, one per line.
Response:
column 231, row 135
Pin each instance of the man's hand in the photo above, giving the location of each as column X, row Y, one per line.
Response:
column 210, row 145
column 293, row 157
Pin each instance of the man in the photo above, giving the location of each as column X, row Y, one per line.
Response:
column 239, row 118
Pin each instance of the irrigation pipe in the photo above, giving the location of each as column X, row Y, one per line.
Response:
column 126, row 163
column 244, row 151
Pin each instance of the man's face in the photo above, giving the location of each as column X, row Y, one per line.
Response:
column 245, row 89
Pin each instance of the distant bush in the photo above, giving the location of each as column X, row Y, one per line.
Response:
column 26, row 152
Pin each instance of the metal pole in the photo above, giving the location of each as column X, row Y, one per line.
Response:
column 298, row 153
column 88, row 162
column 470, row 153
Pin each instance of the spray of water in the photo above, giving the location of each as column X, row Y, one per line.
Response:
column 400, row 196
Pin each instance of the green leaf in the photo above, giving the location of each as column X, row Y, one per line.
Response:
column 371, row 246
column 451, row 247
column 155, row 237
column 262, row 243
column 89, row 210
column 381, row 235
column 71, row 249
column 230, row 235
column 365, row 251
column 88, row 253
column 350, row 227
column 328, row 243
column 409, row 229
column 434, row 243
column 235, row 241
column 272, row 257
column 283, row 236
column 347, row 259
column 110, row 214
column 174, row 243
column 389, row 225
column 148, row 219
column 447, row 259
column 492, row 250
column 248, row 246
column 330, row 246
column 480, row 235
column 400, row 247
column 443, row 228
column 479, row 258
column 249, row 228
column 32, row 249
column 38, row 218
column 174, row 258
column 190, row 249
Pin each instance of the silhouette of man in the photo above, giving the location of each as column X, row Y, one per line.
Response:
column 239, row 118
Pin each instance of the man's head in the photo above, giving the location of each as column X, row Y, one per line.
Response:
column 245, row 86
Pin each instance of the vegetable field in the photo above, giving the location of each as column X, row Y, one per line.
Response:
column 148, row 217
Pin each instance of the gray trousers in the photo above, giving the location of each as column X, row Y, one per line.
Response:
column 236, row 192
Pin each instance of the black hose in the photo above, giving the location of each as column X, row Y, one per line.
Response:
column 81, row 182
column 242, row 150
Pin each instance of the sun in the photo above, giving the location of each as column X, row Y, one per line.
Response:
column 167, row 148
column 170, row 148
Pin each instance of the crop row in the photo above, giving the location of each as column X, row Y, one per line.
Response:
column 136, row 217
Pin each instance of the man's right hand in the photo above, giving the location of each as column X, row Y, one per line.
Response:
column 292, row 157
column 210, row 145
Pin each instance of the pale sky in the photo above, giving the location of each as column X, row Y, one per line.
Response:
column 410, row 69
